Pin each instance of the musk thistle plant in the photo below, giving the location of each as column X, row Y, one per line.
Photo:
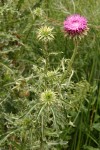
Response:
column 75, row 27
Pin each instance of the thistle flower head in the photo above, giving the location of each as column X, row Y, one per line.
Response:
column 48, row 97
column 45, row 34
column 76, row 26
column 38, row 12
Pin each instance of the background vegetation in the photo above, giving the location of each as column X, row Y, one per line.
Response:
column 39, row 110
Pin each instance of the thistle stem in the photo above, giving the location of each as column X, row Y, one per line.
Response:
column 69, row 69
column 46, row 57
column 73, row 57
column 42, row 134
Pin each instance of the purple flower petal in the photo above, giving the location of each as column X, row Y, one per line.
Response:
column 75, row 25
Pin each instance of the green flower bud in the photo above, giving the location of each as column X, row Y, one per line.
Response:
column 38, row 12
column 48, row 97
column 45, row 34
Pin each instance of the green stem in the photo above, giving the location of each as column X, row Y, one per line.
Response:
column 46, row 57
column 42, row 130
column 47, row 7
column 42, row 134
column 92, row 70
column 69, row 69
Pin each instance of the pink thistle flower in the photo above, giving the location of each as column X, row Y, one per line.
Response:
column 76, row 26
